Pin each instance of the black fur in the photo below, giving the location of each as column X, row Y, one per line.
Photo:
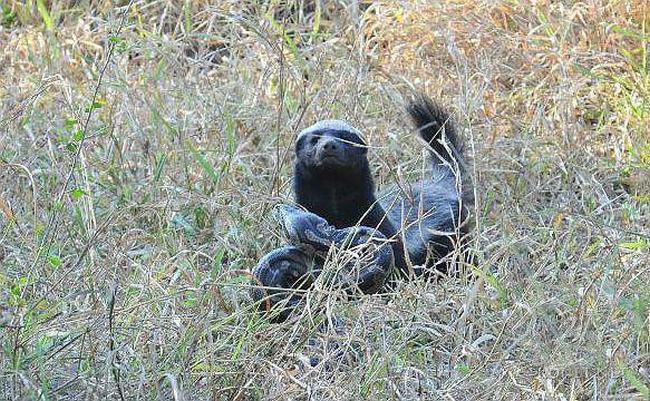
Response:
column 332, row 179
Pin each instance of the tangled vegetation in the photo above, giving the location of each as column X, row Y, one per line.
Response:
column 144, row 143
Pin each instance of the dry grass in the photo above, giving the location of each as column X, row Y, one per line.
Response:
column 128, row 280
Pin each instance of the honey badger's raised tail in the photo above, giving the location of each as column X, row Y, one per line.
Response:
column 437, row 128
column 433, row 216
column 434, row 124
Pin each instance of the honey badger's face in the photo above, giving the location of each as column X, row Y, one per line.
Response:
column 331, row 145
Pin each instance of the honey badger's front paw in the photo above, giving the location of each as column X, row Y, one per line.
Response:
column 284, row 274
column 363, row 258
column 304, row 228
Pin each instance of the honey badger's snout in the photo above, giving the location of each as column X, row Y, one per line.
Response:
column 329, row 147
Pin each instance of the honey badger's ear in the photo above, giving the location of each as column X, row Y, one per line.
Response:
column 300, row 142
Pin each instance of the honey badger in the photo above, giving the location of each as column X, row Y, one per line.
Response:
column 426, row 222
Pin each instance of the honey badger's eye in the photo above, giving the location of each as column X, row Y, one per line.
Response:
column 313, row 140
column 352, row 139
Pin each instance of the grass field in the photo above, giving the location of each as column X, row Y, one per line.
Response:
column 143, row 145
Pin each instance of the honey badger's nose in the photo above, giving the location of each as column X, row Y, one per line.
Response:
column 329, row 146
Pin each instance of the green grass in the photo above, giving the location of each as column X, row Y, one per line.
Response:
column 126, row 242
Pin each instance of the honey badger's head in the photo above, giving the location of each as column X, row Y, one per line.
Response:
column 331, row 145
